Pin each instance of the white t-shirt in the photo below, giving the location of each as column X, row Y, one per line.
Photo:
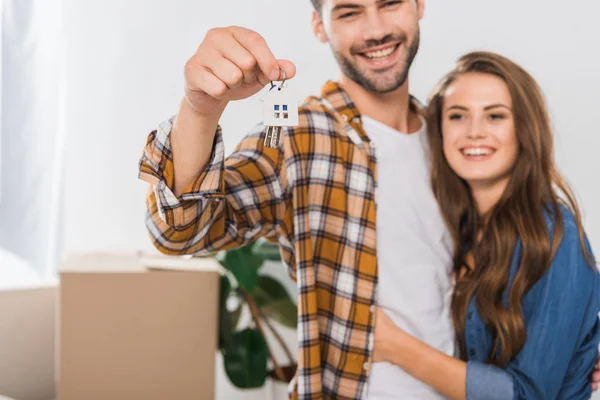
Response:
column 414, row 251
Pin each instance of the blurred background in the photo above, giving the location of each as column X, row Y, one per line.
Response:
column 84, row 82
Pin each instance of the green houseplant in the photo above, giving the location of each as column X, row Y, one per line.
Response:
column 246, row 352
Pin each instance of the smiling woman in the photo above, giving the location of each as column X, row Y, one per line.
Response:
column 494, row 169
column 479, row 139
column 525, row 275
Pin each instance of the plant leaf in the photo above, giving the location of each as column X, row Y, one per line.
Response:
column 283, row 311
column 267, row 250
column 275, row 302
column 243, row 264
column 272, row 287
column 226, row 325
column 245, row 360
column 235, row 315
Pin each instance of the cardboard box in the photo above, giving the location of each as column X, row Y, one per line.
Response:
column 137, row 327
column 27, row 341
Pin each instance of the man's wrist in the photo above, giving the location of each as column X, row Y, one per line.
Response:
column 211, row 110
column 193, row 117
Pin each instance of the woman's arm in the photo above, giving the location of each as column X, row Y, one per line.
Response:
column 445, row 374
column 442, row 372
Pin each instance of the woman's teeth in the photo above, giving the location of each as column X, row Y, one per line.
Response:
column 373, row 55
column 477, row 151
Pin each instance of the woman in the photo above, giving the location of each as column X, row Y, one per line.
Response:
column 527, row 294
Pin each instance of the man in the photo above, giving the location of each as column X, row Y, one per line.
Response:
column 346, row 194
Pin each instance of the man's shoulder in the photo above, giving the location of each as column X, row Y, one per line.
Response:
column 314, row 104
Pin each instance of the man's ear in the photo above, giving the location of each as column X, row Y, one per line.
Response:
column 421, row 8
column 318, row 29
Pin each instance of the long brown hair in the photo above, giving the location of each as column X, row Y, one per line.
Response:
column 536, row 190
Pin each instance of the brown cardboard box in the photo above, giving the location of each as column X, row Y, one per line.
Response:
column 133, row 327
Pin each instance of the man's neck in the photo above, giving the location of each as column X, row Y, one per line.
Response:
column 392, row 108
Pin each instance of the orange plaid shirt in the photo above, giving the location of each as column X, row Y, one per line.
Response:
column 315, row 195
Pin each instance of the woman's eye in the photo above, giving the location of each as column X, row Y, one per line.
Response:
column 455, row 117
column 497, row 116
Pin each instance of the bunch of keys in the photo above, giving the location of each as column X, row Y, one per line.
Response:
column 280, row 108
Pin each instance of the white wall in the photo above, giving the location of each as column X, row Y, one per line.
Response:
column 125, row 75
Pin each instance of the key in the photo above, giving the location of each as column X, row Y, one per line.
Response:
column 280, row 108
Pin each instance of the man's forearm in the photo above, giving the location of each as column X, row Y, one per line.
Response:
column 191, row 142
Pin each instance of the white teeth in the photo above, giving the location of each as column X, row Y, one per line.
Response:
column 380, row 53
column 477, row 151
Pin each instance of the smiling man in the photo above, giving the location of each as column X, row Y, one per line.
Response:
column 373, row 49
column 347, row 194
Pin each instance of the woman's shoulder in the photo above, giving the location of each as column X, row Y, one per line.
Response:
column 569, row 223
column 565, row 214
column 571, row 261
column 571, row 276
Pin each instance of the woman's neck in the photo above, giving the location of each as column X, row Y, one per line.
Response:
column 487, row 195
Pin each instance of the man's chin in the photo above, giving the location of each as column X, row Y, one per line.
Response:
column 384, row 80
column 383, row 85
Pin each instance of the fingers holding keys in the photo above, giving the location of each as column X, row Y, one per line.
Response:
column 268, row 65
column 288, row 67
column 231, row 64
column 262, row 55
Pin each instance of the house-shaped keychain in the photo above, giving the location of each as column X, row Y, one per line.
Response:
column 280, row 107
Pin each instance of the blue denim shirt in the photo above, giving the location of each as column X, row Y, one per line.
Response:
column 563, row 332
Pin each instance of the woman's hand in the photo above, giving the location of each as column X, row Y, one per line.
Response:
column 596, row 376
column 387, row 335
column 442, row 372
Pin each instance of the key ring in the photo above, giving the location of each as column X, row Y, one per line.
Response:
column 283, row 80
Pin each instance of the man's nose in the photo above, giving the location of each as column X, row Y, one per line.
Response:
column 375, row 27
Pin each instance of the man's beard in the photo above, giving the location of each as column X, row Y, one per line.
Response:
column 377, row 84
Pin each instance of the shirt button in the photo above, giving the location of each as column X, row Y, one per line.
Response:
column 472, row 352
column 470, row 314
column 356, row 120
column 366, row 366
column 345, row 117
column 372, row 308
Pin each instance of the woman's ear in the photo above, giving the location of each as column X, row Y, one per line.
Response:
column 318, row 29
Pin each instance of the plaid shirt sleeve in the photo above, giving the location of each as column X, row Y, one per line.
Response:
column 233, row 202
